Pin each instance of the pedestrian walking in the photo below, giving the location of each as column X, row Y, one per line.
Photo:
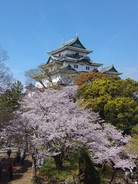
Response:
column 18, row 155
column 1, row 167
column 23, row 157
column 11, row 170
column 131, row 176
column 126, row 177
column 9, row 153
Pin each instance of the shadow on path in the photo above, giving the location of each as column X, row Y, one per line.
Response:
column 18, row 170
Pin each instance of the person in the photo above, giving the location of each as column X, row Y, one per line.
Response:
column 9, row 153
column 1, row 167
column 18, row 155
column 23, row 157
column 11, row 170
column 127, row 175
column 131, row 175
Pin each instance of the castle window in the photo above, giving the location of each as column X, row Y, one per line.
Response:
column 75, row 66
column 87, row 68
column 76, row 55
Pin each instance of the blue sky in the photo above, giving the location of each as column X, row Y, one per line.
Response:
column 31, row 28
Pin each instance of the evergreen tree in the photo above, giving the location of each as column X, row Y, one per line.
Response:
column 114, row 99
column 9, row 102
column 87, row 171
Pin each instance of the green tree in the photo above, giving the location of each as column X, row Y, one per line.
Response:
column 114, row 99
column 11, row 97
column 9, row 101
column 90, row 76
column 133, row 146
column 122, row 112
column 87, row 171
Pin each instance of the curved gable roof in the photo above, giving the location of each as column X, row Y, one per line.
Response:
column 71, row 44
column 75, row 42
column 111, row 69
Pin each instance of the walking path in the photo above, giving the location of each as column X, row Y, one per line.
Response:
column 21, row 173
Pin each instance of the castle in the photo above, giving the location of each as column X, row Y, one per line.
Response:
column 71, row 59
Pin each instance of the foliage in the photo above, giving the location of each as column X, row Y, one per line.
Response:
column 5, row 116
column 122, row 112
column 44, row 75
column 67, row 78
column 51, row 171
column 9, row 101
column 133, row 146
column 71, row 168
column 86, row 168
column 41, row 76
column 88, row 77
column 51, row 122
column 114, row 98
column 11, row 97
column 6, row 90
column 35, row 75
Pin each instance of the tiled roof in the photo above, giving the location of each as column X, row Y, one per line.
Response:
column 72, row 42
column 74, row 60
column 110, row 69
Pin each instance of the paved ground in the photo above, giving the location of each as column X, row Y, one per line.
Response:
column 21, row 174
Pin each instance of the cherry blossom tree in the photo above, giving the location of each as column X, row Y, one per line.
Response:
column 51, row 123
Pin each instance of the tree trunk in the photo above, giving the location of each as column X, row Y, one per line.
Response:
column 34, row 166
column 26, row 143
column 58, row 161
column 112, row 178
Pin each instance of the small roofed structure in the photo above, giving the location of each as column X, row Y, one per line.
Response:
column 110, row 70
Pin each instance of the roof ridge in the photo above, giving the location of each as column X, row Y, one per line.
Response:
column 69, row 41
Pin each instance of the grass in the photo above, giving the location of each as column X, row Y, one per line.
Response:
column 69, row 169
column 105, row 175
column 49, row 170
